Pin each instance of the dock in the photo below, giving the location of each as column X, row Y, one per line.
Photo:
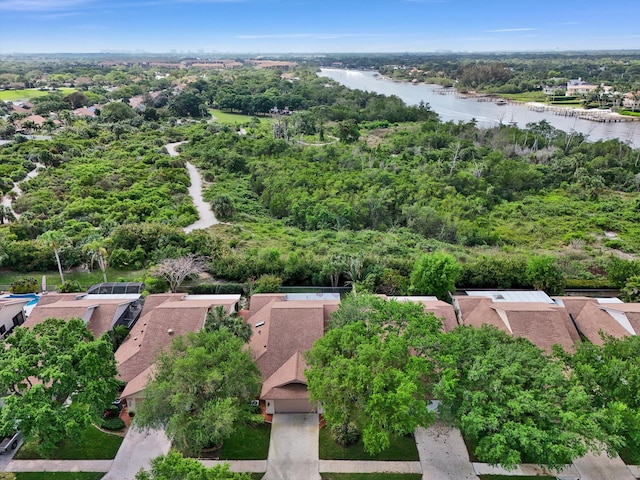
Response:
column 593, row 115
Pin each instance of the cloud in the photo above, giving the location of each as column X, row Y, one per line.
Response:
column 503, row 30
column 40, row 5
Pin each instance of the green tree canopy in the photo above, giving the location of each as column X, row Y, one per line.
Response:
column 116, row 112
column 545, row 274
column 610, row 373
column 201, row 388
column 435, row 274
column 363, row 370
column 513, row 403
column 174, row 466
column 59, row 379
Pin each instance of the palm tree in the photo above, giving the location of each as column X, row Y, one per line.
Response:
column 6, row 213
column 54, row 239
column 98, row 253
column 218, row 319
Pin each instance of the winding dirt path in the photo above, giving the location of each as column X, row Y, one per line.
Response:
column 8, row 199
column 207, row 218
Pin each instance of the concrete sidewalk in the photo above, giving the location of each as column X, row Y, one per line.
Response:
column 601, row 467
column 368, row 466
column 251, row 466
column 59, row 466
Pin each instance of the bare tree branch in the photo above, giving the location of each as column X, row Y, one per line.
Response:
column 177, row 270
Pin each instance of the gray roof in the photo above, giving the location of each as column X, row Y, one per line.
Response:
column 512, row 295
column 312, row 296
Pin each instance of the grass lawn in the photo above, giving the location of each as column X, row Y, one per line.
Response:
column 515, row 477
column 28, row 93
column 371, row 476
column 247, row 443
column 226, row 117
column 525, row 96
column 59, row 475
column 630, row 457
column 401, row 449
column 92, row 445
column 83, row 278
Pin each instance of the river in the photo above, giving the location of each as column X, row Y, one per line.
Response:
column 487, row 114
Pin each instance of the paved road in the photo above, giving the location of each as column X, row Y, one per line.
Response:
column 293, row 451
column 5, row 458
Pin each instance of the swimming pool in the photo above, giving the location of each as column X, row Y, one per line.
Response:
column 34, row 298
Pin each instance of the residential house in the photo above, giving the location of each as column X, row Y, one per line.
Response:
column 580, row 87
column 631, row 101
column 529, row 314
column 442, row 310
column 596, row 316
column 164, row 317
column 11, row 313
column 100, row 312
column 284, row 327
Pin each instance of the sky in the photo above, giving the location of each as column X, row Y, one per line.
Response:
column 326, row 26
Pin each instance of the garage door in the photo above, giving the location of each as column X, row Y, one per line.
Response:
column 294, row 406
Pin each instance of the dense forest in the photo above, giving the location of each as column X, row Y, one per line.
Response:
column 313, row 182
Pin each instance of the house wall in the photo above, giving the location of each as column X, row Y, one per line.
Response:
column 7, row 315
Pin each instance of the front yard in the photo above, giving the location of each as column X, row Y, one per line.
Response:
column 93, row 445
column 401, row 449
column 59, row 475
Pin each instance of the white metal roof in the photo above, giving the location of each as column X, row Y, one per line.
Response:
column 312, row 296
column 512, row 295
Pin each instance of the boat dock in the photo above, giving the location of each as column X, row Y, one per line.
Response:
column 593, row 115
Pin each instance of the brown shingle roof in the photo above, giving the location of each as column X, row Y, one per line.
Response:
column 164, row 317
column 99, row 314
column 591, row 317
column 291, row 371
column 286, row 329
column 543, row 324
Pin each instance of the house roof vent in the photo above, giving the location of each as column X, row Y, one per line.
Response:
column 170, row 331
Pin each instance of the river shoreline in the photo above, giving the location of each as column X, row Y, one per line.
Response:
column 485, row 112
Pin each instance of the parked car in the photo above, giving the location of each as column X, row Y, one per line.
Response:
column 10, row 442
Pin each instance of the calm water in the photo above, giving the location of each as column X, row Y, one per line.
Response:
column 487, row 114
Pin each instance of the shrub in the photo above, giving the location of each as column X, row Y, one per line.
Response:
column 345, row 434
column 545, row 274
column 24, row 285
column 112, row 424
column 215, row 288
column 267, row 284
column 70, row 286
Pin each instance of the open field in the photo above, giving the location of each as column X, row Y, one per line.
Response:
column 233, row 118
column 29, row 93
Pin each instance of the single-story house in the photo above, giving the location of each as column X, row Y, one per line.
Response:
column 284, row 327
column 529, row 314
column 100, row 312
column 11, row 314
column 164, row 317
column 607, row 315
column 442, row 310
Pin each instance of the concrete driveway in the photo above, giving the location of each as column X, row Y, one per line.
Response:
column 136, row 452
column 5, row 458
column 443, row 455
column 293, row 451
